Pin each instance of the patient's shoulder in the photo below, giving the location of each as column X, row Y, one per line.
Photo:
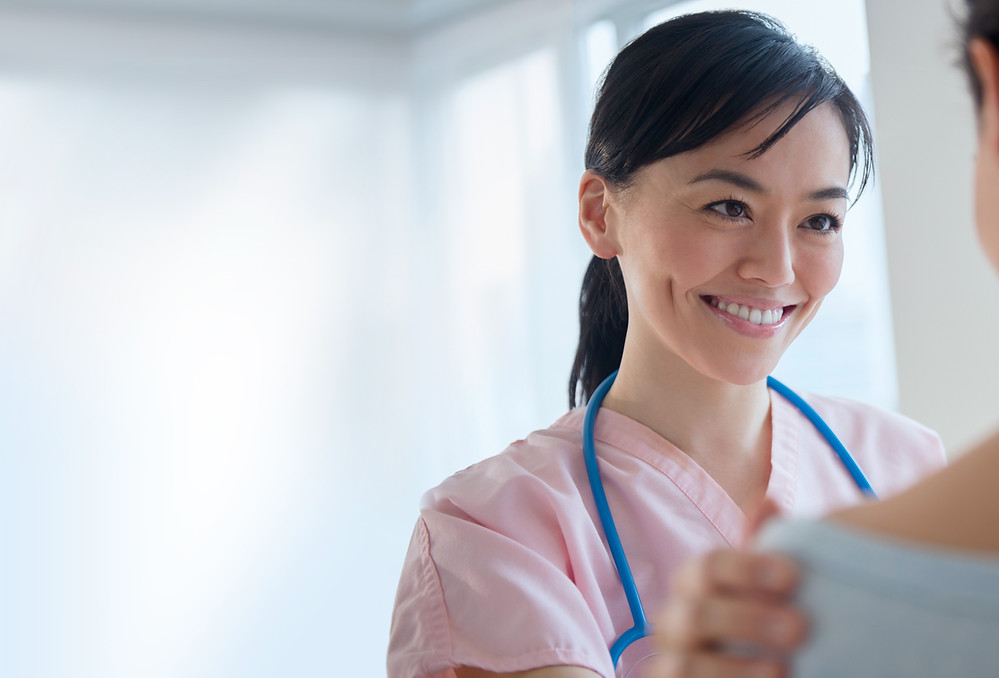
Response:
column 953, row 508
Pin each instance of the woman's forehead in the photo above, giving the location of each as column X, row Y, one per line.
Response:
column 814, row 154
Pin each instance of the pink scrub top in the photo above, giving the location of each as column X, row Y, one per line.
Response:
column 508, row 569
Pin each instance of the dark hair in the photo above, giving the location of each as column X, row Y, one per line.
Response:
column 981, row 21
column 673, row 89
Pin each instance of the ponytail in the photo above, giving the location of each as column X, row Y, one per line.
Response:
column 603, row 322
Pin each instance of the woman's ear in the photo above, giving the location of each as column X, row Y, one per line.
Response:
column 596, row 215
column 985, row 61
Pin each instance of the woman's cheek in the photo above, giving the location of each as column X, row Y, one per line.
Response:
column 823, row 268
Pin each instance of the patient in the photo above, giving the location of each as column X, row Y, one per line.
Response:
column 910, row 586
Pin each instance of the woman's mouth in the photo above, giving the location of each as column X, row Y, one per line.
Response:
column 751, row 314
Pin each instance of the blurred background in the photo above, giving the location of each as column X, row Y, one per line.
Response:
column 270, row 269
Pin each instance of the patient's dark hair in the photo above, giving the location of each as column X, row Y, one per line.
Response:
column 981, row 21
column 676, row 87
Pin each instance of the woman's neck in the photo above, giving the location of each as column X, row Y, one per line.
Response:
column 723, row 427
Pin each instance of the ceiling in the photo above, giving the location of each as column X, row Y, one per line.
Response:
column 369, row 16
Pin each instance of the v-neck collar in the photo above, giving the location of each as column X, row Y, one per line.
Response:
column 639, row 441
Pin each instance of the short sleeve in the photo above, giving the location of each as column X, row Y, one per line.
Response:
column 473, row 594
column 419, row 631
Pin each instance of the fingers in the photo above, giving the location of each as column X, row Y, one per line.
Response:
column 717, row 622
column 729, row 614
column 741, row 573
column 705, row 665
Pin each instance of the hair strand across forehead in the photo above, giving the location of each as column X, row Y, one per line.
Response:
column 687, row 81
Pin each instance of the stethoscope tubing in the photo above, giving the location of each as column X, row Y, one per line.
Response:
column 834, row 442
column 642, row 627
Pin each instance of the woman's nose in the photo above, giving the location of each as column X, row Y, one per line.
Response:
column 768, row 258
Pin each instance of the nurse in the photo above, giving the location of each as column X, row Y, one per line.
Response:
column 718, row 166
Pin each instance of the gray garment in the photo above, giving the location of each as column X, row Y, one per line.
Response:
column 881, row 607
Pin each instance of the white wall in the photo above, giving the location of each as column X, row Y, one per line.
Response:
column 944, row 294
column 201, row 239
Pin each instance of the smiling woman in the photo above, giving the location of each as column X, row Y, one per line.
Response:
column 702, row 231
column 718, row 164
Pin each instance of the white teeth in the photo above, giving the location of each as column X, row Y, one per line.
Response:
column 753, row 315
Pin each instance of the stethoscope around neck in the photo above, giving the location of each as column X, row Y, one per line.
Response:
column 642, row 627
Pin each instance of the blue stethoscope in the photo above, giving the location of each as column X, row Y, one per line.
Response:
column 642, row 627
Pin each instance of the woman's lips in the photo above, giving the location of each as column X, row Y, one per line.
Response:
column 758, row 319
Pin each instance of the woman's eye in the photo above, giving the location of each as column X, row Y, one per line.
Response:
column 729, row 208
column 822, row 222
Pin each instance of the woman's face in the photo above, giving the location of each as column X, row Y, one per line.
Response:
column 726, row 259
column 985, row 60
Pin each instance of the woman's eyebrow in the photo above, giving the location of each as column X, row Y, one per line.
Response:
column 728, row 176
column 749, row 184
column 826, row 193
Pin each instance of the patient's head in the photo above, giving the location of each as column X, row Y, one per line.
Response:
column 981, row 21
column 981, row 61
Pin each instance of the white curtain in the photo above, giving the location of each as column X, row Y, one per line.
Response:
column 260, row 288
